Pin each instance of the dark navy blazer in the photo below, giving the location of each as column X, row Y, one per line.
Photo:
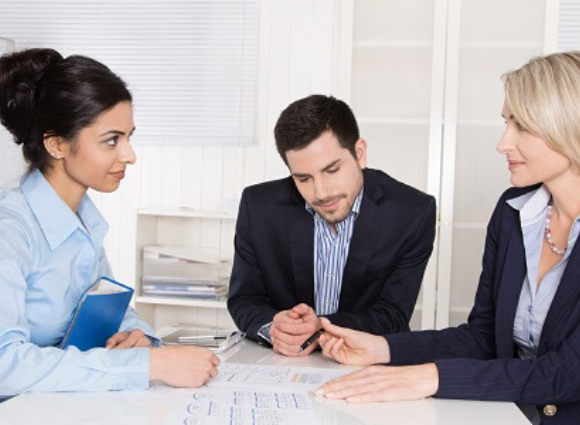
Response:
column 478, row 360
column 274, row 255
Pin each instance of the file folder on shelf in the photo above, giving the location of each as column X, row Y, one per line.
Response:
column 98, row 315
column 187, row 272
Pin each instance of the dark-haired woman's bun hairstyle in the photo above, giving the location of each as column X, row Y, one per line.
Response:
column 19, row 75
column 41, row 93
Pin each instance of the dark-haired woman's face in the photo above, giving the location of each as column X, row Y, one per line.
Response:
column 101, row 152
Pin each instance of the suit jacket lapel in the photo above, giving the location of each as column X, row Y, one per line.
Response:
column 362, row 242
column 566, row 295
column 512, row 279
column 301, row 237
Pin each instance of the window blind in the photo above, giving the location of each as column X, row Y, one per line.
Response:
column 191, row 64
column 569, row 25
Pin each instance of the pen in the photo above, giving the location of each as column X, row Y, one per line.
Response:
column 311, row 339
column 199, row 337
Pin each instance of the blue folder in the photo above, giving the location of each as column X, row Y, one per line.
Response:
column 98, row 315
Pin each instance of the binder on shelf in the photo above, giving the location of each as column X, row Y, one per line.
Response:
column 98, row 315
column 182, row 271
column 206, row 292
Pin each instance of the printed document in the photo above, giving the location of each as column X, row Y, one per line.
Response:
column 244, row 394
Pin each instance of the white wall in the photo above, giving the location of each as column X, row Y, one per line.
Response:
column 299, row 56
column 11, row 162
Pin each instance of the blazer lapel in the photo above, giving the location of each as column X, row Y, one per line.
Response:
column 566, row 295
column 301, row 237
column 361, row 243
column 512, row 279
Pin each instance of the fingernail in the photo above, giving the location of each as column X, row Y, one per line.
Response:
column 329, row 395
column 319, row 392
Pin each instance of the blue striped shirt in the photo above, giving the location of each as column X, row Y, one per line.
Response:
column 533, row 305
column 330, row 254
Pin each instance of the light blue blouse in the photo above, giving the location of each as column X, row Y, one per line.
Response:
column 47, row 260
column 533, row 306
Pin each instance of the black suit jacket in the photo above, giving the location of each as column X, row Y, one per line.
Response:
column 274, row 255
column 478, row 360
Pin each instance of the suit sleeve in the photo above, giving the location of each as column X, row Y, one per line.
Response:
column 248, row 300
column 466, row 356
column 392, row 309
column 476, row 339
column 550, row 378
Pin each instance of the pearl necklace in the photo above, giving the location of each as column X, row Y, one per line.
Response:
column 548, row 231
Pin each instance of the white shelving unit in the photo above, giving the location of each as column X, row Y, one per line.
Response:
column 182, row 227
column 183, row 302
column 183, row 212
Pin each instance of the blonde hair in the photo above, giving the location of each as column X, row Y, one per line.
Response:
column 544, row 97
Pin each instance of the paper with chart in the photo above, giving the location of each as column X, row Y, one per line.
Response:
column 243, row 394
column 305, row 378
column 247, row 406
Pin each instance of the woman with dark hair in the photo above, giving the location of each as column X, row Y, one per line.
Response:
column 73, row 118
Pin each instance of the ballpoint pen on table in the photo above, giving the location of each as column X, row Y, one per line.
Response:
column 200, row 337
column 311, row 340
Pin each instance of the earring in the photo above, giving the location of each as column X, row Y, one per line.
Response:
column 55, row 156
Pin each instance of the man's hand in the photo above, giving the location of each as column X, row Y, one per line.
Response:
column 135, row 338
column 352, row 347
column 290, row 328
column 384, row 383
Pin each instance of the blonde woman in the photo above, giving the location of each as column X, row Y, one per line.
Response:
column 522, row 339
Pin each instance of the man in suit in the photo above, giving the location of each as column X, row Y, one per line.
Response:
column 333, row 240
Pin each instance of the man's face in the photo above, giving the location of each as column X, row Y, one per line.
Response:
column 327, row 175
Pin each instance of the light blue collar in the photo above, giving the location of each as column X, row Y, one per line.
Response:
column 532, row 205
column 54, row 216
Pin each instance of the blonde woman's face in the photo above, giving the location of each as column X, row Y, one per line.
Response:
column 530, row 159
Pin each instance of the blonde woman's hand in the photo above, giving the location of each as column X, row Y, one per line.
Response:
column 384, row 383
column 352, row 347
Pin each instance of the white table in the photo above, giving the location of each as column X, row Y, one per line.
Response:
column 112, row 408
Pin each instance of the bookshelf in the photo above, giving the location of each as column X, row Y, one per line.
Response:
column 182, row 227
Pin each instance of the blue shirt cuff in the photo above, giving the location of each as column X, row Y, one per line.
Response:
column 155, row 342
column 129, row 368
